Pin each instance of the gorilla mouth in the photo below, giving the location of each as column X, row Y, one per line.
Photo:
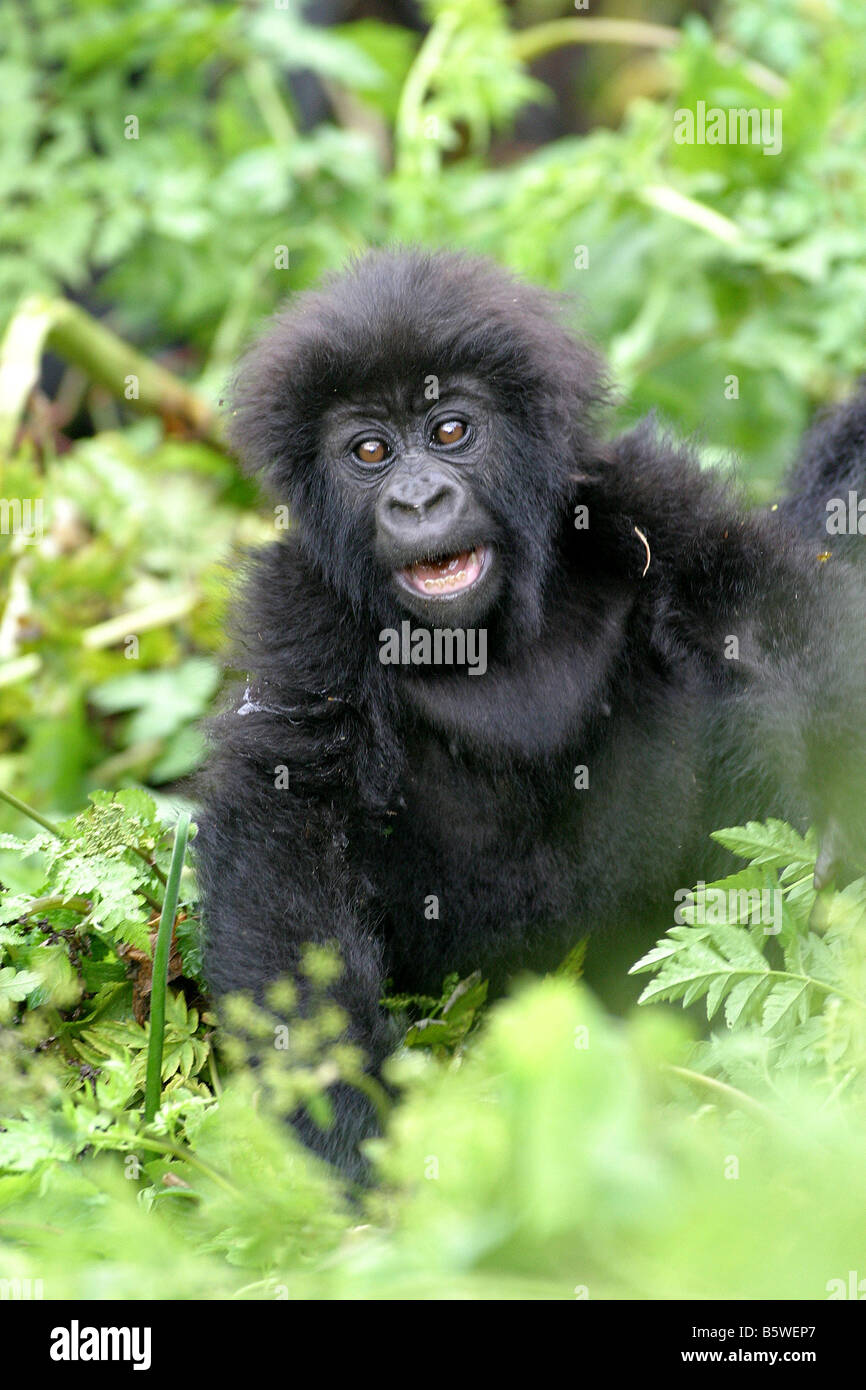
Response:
column 449, row 574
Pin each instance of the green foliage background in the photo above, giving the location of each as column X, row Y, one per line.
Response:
column 543, row 1150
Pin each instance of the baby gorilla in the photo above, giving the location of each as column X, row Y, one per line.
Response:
column 657, row 661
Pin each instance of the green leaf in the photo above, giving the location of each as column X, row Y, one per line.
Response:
column 782, row 1006
column 770, row 842
column 15, row 985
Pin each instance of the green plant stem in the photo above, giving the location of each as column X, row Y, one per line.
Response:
column 154, row 868
column 214, row 1073
column 185, row 1156
column 731, row 1094
column 268, row 97
column 153, row 1084
column 41, row 322
column 56, row 900
column 428, row 60
column 557, row 33
column 159, row 614
column 25, row 810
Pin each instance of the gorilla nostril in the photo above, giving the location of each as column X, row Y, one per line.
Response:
column 398, row 504
column 441, row 495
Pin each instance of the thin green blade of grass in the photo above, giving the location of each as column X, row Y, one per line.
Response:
column 153, row 1084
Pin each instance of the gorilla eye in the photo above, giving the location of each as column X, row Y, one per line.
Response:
column 449, row 432
column 371, row 451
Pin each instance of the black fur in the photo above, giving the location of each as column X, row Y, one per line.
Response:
column 406, row 783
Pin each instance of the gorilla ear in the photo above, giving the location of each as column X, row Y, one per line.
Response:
column 274, row 409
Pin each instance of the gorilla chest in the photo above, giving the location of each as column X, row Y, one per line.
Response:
column 487, row 841
column 517, row 854
column 479, row 870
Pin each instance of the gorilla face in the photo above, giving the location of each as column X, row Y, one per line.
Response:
column 416, row 477
column 423, row 415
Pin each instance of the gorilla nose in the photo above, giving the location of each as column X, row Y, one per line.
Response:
column 428, row 500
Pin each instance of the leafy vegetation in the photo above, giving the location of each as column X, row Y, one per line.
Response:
column 540, row 1151
column 538, row 1148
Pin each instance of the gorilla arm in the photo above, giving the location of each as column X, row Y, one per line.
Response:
column 775, row 624
column 795, row 673
column 274, row 876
